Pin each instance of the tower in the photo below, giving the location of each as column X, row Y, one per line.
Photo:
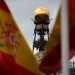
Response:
column 41, row 21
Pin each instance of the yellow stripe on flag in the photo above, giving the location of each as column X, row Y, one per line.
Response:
column 54, row 36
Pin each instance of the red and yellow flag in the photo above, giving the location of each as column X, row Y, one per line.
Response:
column 16, row 57
column 51, row 62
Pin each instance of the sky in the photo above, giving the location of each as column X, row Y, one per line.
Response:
column 23, row 11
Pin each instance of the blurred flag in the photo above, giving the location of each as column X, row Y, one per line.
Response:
column 51, row 62
column 16, row 57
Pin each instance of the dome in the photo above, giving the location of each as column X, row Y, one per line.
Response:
column 41, row 11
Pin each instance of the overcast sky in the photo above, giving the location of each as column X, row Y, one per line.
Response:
column 23, row 11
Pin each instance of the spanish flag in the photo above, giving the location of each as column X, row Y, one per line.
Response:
column 16, row 57
column 51, row 62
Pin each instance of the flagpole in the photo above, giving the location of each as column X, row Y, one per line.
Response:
column 64, row 37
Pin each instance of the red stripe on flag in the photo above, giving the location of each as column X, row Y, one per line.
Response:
column 72, row 8
column 51, row 63
column 3, row 6
column 8, row 66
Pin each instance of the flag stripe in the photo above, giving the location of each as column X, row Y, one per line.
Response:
column 3, row 6
column 52, row 61
column 8, row 61
column 49, row 62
